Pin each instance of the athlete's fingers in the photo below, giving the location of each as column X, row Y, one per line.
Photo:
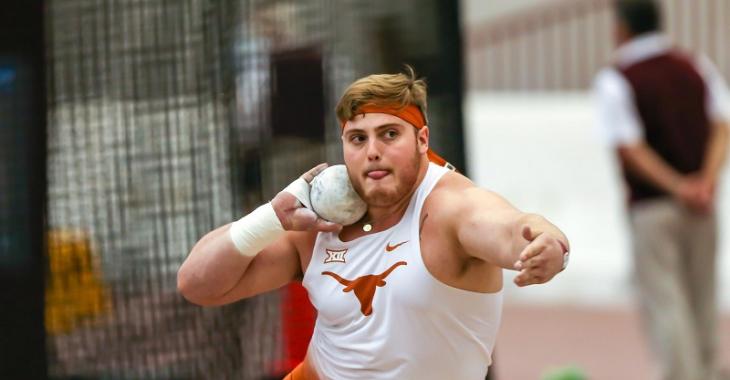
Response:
column 533, row 262
column 303, row 218
column 309, row 175
column 527, row 233
column 526, row 278
column 530, row 234
column 532, row 250
column 327, row 226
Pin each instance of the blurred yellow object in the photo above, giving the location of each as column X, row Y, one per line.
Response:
column 74, row 289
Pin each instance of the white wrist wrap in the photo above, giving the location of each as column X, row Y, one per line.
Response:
column 255, row 231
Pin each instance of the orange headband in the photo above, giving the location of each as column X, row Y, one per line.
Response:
column 410, row 113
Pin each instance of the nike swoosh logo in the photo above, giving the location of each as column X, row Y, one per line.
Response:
column 390, row 248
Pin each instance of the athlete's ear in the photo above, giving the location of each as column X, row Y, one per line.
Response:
column 422, row 137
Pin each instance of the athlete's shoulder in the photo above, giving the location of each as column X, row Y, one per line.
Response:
column 456, row 195
column 452, row 184
column 448, row 193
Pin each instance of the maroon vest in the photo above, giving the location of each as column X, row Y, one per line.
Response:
column 669, row 95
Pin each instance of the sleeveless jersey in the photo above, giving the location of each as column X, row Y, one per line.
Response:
column 382, row 315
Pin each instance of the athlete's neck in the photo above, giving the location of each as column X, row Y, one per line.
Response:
column 384, row 217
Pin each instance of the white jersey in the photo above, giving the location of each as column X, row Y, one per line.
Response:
column 382, row 315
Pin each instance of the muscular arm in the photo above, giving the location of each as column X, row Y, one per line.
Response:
column 215, row 273
column 488, row 228
column 254, row 254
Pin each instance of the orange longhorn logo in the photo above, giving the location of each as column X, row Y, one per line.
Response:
column 365, row 286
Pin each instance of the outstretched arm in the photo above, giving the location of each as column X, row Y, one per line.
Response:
column 489, row 228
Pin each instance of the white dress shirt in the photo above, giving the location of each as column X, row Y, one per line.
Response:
column 618, row 121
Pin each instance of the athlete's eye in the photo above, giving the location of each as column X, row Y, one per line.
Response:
column 357, row 138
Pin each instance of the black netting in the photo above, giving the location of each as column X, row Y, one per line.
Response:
column 169, row 118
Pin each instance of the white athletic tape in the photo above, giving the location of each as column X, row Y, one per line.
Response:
column 300, row 189
column 255, row 231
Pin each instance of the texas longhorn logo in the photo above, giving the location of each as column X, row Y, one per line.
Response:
column 364, row 286
column 335, row 255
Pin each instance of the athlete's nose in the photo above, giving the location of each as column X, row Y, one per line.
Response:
column 373, row 151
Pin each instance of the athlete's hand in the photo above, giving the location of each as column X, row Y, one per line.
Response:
column 293, row 209
column 540, row 260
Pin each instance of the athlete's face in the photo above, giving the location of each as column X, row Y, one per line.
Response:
column 383, row 156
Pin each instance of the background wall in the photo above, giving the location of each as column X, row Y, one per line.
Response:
column 542, row 153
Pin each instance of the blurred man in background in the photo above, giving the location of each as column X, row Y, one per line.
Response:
column 666, row 113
